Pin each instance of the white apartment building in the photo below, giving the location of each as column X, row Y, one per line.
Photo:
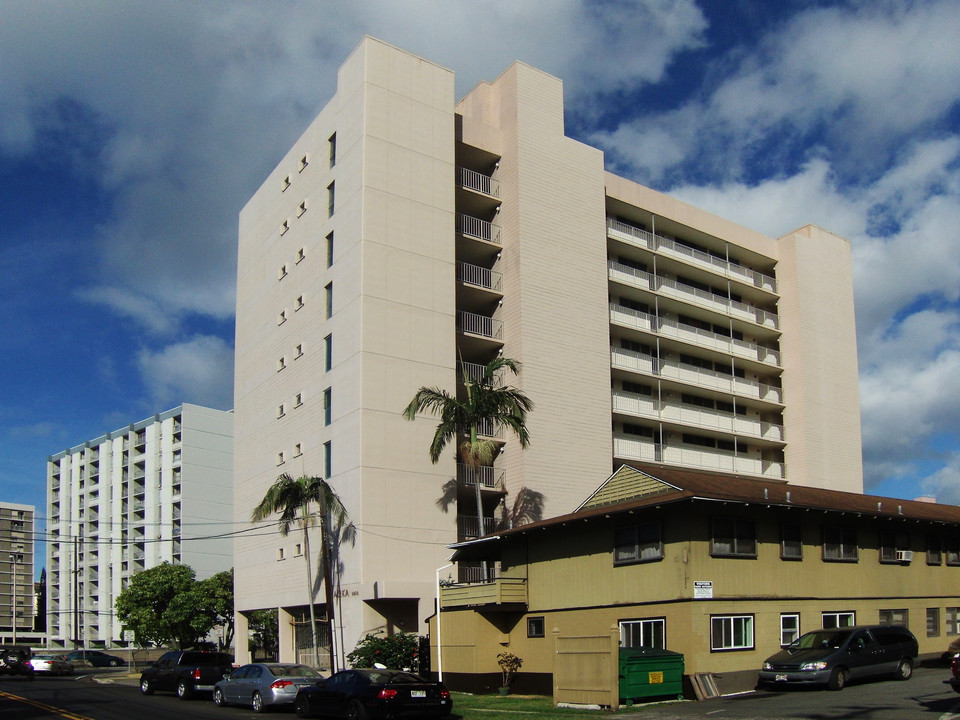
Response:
column 159, row 490
column 17, row 596
column 404, row 232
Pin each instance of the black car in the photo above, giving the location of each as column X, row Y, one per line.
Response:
column 15, row 660
column 97, row 658
column 375, row 695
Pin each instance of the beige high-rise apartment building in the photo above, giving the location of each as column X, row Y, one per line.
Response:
column 405, row 236
column 17, row 597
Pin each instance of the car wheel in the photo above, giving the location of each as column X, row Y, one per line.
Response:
column 257, row 702
column 145, row 687
column 218, row 697
column 356, row 711
column 905, row 669
column 184, row 690
column 114, row 663
column 838, row 678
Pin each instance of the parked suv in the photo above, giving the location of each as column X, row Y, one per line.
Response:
column 15, row 660
column 833, row 656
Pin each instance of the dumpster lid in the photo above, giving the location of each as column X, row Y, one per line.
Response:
column 647, row 652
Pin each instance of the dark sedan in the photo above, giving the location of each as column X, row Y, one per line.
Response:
column 375, row 695
column 94, row 657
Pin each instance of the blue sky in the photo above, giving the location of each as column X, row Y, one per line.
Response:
column 131, row 134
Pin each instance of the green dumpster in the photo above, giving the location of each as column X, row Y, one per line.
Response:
column 650, row 672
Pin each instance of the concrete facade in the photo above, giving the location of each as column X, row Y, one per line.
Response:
column 159, row 490
column 17, row 597
column 405, row 239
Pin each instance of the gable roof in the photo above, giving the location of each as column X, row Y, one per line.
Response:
column 631, row 489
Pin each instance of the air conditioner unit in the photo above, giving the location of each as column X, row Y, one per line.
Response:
column 904, row 555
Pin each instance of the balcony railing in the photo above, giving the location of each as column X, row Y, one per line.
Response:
column 479, row 277
column 482, row 325
column 668, row 246
column 469, row 527
column 633, row 447
column 477, row 228
column 502, row 591
column 473, row 180
column 489, row 478
column 672, row 370
column 666, row 327
column 694, row 295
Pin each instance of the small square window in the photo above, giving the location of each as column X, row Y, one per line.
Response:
column 299, row 303
column 280, row 458
column 280, row 554
column 282, row 317
column 298, row 352
column 285, row 184
column 298, row 550
column 298, row 400
column 281, row 364
column 933, row 622
column 300, row 255
column 284, row 227
column 282, row 272
column 535, row 627
column 304, row 161
column 791, row 542
column 302, row 208
column 281, row 411
column 297, row 450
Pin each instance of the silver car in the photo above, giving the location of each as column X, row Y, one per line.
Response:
column 53, row 664
column 262, row 685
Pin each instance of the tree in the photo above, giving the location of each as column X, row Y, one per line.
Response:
column 217, row 593
column 294, row 500
column 162, row 606
column 264, row 633
column 489, row 403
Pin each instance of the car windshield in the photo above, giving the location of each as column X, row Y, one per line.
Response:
column 293, row 671
column 820, row 639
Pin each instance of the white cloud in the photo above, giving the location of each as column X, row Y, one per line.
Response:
column 945, row 483
column 199, row 370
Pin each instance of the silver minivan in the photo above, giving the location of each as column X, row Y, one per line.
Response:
column 833, row 656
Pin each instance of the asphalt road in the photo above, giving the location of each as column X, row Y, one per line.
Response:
column 114, row 696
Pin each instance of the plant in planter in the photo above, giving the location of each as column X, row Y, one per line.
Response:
column 509, row 665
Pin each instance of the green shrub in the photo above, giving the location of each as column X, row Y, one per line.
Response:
column 398, row 652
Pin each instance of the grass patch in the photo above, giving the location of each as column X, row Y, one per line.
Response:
column 523, row 707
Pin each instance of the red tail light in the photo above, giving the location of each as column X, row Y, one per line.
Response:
column 955, row 665
column 280, row 684
column 196, row 674
column 444, row 694
column 387, row 694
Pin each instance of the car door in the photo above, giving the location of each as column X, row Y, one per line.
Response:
column 332, row 696
column 250, row 683
column 863, row 654
column 163, row 678
column 231, row 688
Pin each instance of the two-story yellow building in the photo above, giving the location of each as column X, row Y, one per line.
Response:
column 722, row 570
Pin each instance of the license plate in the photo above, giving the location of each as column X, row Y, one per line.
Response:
column 780, row 678
column 418, row 693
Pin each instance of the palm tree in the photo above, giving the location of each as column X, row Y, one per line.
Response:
column 489, row 403
column 294, row 500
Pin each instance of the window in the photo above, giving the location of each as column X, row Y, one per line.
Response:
column 284, row 227
column 933, row 622
column 893, row 617
column 892, row 545
column 301, row 254
column 279, row 553
column 328, row 293
column 637, row 543
column 304, row 161
column 332, row 146
column 327, row 406
column 837, row 619
column 839, row 543
column 951, row 548
column 329, row 249
column 298, row 550
column 281, row 411
column 282, row 317
column 791, row 543
column 331, row 198
column 285, row 183
column 731, row 632
column 298, row 352
column 953, row 621
column 299, row 303
column 301, row 208
column 535, row 627
column 732, row 537
column 297, row 450
column 648, row 632
column 298, row 400
column 934, row 551
column 282, row 272
column 328, row 352
column 327, row 460
column 281, row 364
column 280, row 459
column 789, row 628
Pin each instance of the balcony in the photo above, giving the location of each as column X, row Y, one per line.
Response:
column 479, row 334
column 488, row 478
column 639, row 237
column 639, row 448
column 472, row 227
column 478, row 182
column 629, row 360
column 468, row 527
column 666, row 287
column 480, row 277
column 507, row 593
column 665, row 327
